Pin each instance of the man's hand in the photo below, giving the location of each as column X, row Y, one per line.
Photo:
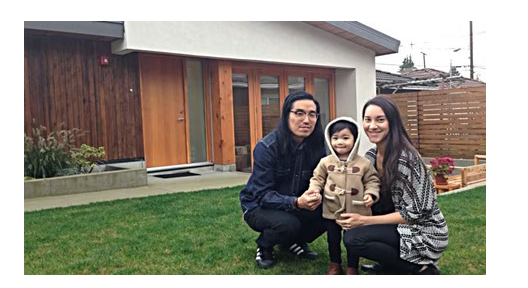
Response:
column 309, row 200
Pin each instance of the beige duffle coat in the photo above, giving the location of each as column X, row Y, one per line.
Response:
column 344, row 183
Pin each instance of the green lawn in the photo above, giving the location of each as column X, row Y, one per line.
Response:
column 203, row 233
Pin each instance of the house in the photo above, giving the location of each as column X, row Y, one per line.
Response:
column 421, row 80
column 442, row 80
column 390, row 83
column 185, row 94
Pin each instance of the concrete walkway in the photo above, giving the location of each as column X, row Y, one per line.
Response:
column 156, row 186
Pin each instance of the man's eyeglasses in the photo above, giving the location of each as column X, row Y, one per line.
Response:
column 300, row 114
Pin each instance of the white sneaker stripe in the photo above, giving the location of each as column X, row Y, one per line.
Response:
column 259, row 253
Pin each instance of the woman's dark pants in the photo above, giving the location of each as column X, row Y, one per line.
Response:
column 380, row 243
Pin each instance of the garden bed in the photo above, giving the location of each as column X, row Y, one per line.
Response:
column 111, row 178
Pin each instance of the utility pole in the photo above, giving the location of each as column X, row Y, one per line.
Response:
column 423, row 58
column 451, row 67
column 471, row 49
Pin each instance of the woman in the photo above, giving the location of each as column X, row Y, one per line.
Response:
column 407, row 233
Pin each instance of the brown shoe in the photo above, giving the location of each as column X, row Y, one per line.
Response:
column 335, row 269
column 352, row 271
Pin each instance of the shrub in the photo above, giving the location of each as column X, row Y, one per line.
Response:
column 86, row 158
column 46, row 155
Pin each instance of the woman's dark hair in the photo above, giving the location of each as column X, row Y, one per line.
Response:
column 314, row 142
column 340, row 125
column 397, row 140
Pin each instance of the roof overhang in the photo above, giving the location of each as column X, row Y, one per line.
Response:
column 352, row 31
column 109, row 30
column 360, row 34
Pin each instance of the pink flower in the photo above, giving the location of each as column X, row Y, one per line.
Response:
column 442, row 166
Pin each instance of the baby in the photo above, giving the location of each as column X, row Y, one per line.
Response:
column 350, row 183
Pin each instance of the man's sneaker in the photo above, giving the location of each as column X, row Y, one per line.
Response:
column 302, row 251
column 265, row 257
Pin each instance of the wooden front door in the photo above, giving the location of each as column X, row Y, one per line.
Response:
column 163, row 110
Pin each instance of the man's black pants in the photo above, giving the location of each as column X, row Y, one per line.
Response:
column 286, row 228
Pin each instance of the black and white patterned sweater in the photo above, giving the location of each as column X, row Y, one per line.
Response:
column 425, row 238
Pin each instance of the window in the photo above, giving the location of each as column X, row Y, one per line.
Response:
column 322, row 95
column 258, row 93
column 242, row 124
column 196, row 107
column 270, row 104
column 295, row 84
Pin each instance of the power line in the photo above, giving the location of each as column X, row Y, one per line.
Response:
column 436, row 38
column 461, row 67
column 388, row 64
column 438, row 66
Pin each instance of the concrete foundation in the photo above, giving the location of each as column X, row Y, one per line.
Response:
column 123, row 178
column 225, row 168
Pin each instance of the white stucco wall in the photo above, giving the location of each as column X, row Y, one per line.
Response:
column 350, row 98
column 274, row 42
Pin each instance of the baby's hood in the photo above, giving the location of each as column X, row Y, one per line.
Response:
column 354, row 150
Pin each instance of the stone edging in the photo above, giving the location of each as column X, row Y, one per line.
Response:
column 125, row 178
column 463, row 189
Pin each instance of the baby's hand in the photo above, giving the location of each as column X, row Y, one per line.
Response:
column 313, row 192
column 368, row 200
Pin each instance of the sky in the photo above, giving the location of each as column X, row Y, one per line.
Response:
column 438, row 40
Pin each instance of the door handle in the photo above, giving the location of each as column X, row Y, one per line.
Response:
column 181, row 118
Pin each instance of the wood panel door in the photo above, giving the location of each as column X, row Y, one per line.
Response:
column 163, row 110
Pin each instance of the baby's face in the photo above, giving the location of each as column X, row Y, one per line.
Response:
column 342, row 142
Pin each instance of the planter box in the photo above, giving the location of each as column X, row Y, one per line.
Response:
column 108, row 180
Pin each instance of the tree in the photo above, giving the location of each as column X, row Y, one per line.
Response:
column 454, row 71
column 407, row 64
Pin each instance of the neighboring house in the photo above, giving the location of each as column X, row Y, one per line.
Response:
column 442, row 80
column 184, row 94
column 390, row 83
column 421, row 80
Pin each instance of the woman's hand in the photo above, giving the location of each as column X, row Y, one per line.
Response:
column 351, row 220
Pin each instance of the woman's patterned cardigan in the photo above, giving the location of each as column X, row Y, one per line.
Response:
column 423, row 240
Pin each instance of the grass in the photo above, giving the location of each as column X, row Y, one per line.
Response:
column 203, row 233
column 465, row 214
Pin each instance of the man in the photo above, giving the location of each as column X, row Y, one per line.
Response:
column 275, row 201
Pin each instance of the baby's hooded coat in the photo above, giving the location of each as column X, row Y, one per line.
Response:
column 345, row 183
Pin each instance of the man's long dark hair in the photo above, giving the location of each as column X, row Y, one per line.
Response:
column 314, row 142
column 397, row 140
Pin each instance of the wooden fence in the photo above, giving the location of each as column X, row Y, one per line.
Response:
column 445, row 122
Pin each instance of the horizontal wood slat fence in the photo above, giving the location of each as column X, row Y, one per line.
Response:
column 445, row 122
